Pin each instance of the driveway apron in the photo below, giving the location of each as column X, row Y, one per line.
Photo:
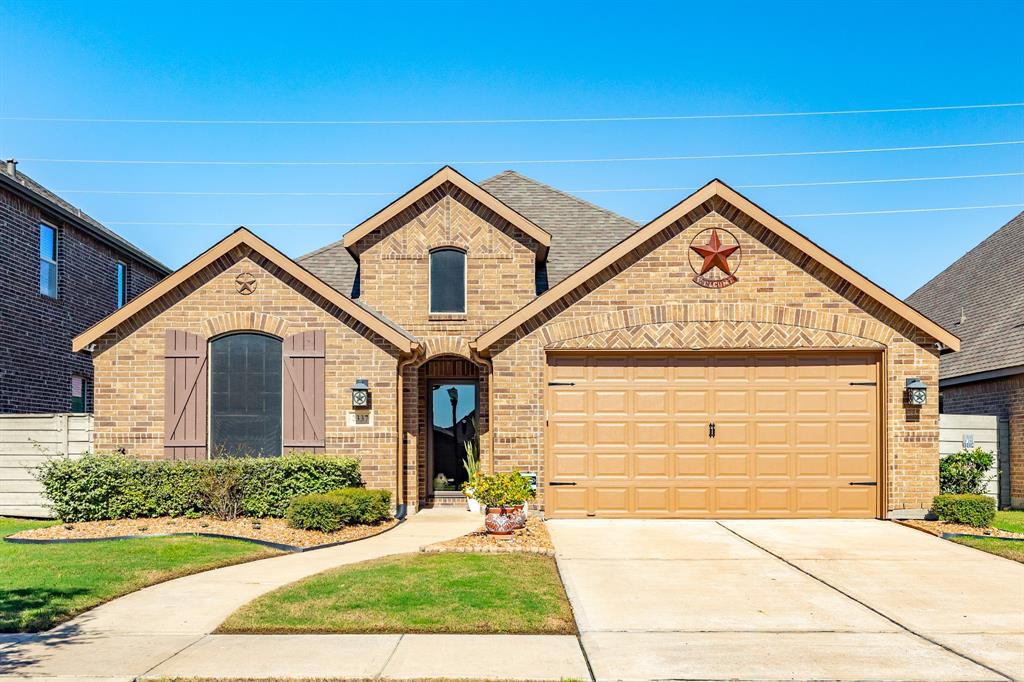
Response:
column 765, row 600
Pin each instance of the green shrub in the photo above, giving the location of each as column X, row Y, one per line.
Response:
column 331, row 511
column 973, row 510
column 502, row 490
column 965, row 472
column 111, row 486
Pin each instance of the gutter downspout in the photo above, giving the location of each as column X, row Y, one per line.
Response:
column 489, row 364
column 401, row 505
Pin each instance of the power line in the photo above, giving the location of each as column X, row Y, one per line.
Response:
column 502, row 121
column 575, row 191
column 791, row 215
column 523, row 162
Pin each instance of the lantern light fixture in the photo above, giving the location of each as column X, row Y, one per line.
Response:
column 360, row 394
column 917, row 391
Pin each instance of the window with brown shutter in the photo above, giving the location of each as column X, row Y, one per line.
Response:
column 303, row 392
column 185, row 370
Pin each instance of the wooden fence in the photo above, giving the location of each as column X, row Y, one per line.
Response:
column 957, row 431
column 26, row 441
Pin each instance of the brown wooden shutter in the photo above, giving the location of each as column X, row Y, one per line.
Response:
column 303, row 391
column 185, row 392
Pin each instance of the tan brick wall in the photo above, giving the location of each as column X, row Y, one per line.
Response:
column 782, row 300
column 129, row 386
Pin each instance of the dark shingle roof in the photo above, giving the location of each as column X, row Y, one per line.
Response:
column 580, row 231
column 987, row 285
column 75, row 215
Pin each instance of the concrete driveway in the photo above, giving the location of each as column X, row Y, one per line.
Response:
column 801, row 600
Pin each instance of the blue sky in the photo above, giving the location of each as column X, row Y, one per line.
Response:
column 333, row 61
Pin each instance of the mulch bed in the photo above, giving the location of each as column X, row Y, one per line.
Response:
column 941, row 527
column 274, row 531
column 533, row 539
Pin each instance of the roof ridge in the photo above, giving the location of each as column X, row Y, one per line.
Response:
column 563, row 193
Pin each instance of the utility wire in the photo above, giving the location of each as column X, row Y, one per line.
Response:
column 791, row 215
column 497, row 121
column 574, row 191
column 522, row 162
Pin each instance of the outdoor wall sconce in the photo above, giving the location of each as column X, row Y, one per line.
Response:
column 917, row 392
column 360, row 394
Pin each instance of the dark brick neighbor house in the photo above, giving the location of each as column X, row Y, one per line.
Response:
column 981, row 299
column 62, row 271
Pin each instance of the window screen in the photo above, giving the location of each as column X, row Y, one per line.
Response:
column 48, row 261
column 447, row 281
column 245, row 396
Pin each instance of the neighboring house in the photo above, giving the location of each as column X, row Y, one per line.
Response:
column 981, row 298
column 710, row 363
column 62, row 271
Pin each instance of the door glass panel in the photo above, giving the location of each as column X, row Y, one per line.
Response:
column 245, row 396
column 453, row 424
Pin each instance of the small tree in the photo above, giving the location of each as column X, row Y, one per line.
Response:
column 965, row 472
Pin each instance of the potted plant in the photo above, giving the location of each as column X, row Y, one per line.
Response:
column 471, row 464
column 502, row 496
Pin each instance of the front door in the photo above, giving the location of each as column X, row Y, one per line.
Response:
column 452, row 434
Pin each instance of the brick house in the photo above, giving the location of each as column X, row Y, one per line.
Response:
column 63, row 271
column 710, row 363
column 981, row 298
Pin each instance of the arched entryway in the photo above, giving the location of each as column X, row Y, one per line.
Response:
column 453, row 417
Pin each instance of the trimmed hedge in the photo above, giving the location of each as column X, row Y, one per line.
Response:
column 965, row 472
column 974, row 510
column 111, row 486
column 331, row 511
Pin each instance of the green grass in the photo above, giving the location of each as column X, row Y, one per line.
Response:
column 1010, row 549
column 1010, row 521
column 449, row 592
column 44, row 585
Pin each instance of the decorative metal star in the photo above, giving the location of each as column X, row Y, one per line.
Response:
column 246, row 283
column 715, row 255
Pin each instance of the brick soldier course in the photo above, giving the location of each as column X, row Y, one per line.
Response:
column 534, row 287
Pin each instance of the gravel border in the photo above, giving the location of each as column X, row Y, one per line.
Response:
column 265, row 543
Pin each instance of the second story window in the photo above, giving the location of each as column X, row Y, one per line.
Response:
column 48, row 261
column 122, row 284
column 447, row 281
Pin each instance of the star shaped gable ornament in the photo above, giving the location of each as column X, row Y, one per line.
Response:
column 246, row 283
column 713, row 269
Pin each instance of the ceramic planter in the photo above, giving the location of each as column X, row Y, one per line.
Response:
column 499, row 520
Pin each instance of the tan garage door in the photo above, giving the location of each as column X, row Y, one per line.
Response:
column 725, row 435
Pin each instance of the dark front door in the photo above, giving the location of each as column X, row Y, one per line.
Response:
column 452, row 424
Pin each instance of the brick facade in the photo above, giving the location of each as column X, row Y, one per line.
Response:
column 130, row 370
column 1003, row 398
column 646, row 300
column 782, row 300
column 36, row 362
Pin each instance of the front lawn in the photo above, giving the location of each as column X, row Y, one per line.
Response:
column 1010, row 549
column 419, row 593
column 43, row 585
column 1010, row 521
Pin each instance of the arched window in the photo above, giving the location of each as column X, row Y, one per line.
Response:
column 447, row 281
column 245, row 396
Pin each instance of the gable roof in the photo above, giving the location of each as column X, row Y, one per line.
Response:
column 984, row 285
column 715, row 188
column 580, row 231
column 243, row 237
column 449, row 174
column 33, row 191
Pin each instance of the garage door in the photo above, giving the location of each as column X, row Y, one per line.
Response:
column 712, row 435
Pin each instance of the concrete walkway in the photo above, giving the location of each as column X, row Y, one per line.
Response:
column 131, row 636
column 800, row 600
